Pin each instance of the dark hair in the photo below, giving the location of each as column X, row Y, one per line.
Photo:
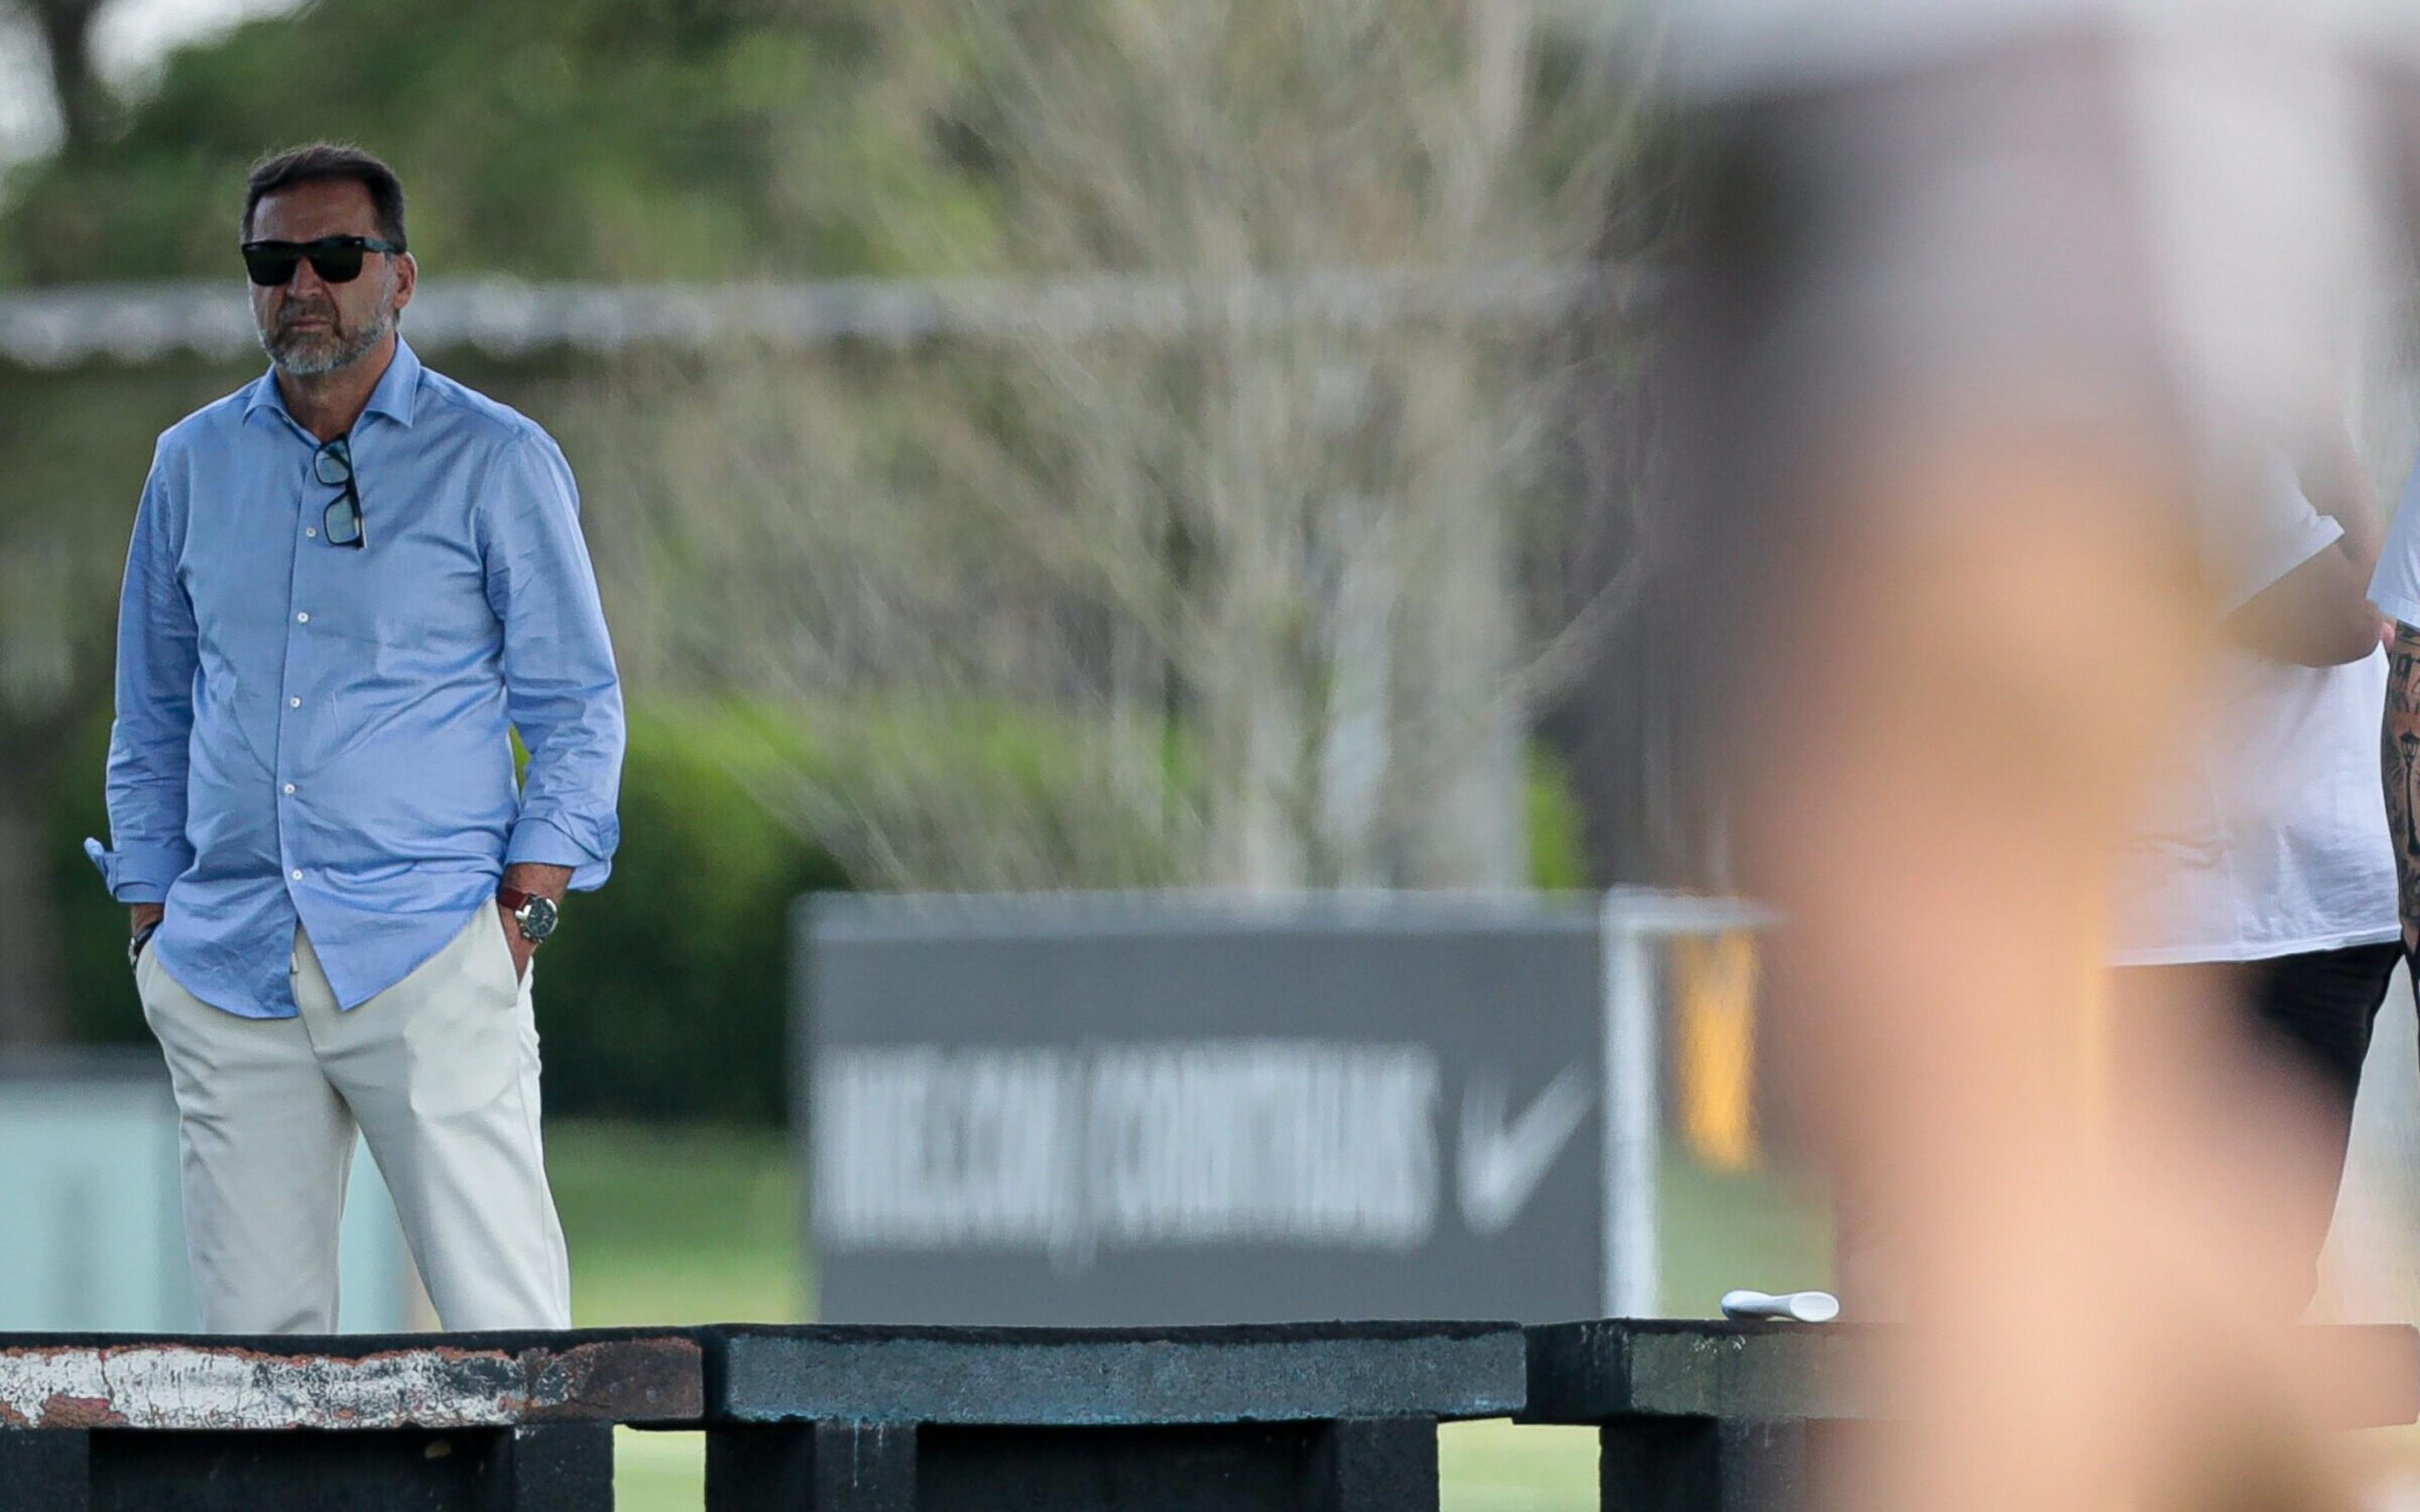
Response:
column 320, row 161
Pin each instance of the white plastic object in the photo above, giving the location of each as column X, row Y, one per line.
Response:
column 1791, row 1308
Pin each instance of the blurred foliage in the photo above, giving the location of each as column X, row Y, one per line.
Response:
column 73, row 452
column 608, row 139
column 907, row 788
column 1557, row 829
column 100, row 995
column 664, row 995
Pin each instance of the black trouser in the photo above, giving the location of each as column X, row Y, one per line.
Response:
column 2319, row 1009
column 2306, row 1022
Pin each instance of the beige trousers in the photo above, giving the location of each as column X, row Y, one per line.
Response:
column 440, row 1074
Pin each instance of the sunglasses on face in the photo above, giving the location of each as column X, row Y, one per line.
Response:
column 335, row 260
column 333, row 465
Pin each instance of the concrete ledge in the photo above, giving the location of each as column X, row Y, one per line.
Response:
column 1099, row 1378
column 2365, row 1375
column 1592, row 1372
column 367, row 1382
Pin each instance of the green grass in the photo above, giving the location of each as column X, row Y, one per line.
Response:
column 1727, row 1229
column 1495, row 1466
column 674, row 1225
column 671, row 1225
column 700, row 1226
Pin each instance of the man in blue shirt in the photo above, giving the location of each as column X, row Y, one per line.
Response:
column 349, row 581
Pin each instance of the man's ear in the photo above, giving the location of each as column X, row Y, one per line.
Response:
column 407, row 278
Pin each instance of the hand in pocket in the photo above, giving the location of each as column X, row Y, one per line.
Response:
column 522, row 949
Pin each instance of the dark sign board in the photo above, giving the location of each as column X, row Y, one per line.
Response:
column 1130, row 1110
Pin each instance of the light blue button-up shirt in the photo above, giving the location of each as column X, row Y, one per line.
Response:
column 310, row 731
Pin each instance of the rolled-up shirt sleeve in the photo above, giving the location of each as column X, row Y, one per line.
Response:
column 561, row 689
column 150, row 742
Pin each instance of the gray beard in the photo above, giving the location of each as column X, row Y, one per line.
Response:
column 317, row 354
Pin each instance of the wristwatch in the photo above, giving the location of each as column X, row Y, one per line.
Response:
column 142, row 938
column 537, row 915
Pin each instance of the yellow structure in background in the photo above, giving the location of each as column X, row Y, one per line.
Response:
column 1713, row 980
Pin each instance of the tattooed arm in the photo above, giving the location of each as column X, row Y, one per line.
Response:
column 2398, row 763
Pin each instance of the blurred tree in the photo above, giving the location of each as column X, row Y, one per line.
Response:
column 83, row 104
column 1339, row 517
column 1325, row 554
column 47, row 681
column 582, row 139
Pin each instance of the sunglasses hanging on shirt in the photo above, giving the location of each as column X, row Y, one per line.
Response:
column 332, row 464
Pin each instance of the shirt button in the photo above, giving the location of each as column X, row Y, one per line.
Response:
column 293, row 704
column 290, row 787
column 311, row 529
column 301, row 618
column 296, row 876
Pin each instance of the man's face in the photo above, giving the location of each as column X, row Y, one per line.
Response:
column 308, row 326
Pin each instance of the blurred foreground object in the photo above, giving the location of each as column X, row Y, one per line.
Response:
column 1736, row 1416
column 1995, row 310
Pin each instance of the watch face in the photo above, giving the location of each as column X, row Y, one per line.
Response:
column 537, row 918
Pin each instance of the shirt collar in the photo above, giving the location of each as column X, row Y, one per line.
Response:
column 265, row 395
column 397, row 388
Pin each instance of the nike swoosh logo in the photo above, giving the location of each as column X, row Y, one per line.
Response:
column 1501, row 1166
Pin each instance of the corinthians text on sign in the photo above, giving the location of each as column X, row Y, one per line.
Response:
column 1066, row 1149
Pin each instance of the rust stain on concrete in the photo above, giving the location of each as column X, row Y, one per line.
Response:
column 62, row 1410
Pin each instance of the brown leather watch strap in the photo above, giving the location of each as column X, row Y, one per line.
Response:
column 513, row 898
